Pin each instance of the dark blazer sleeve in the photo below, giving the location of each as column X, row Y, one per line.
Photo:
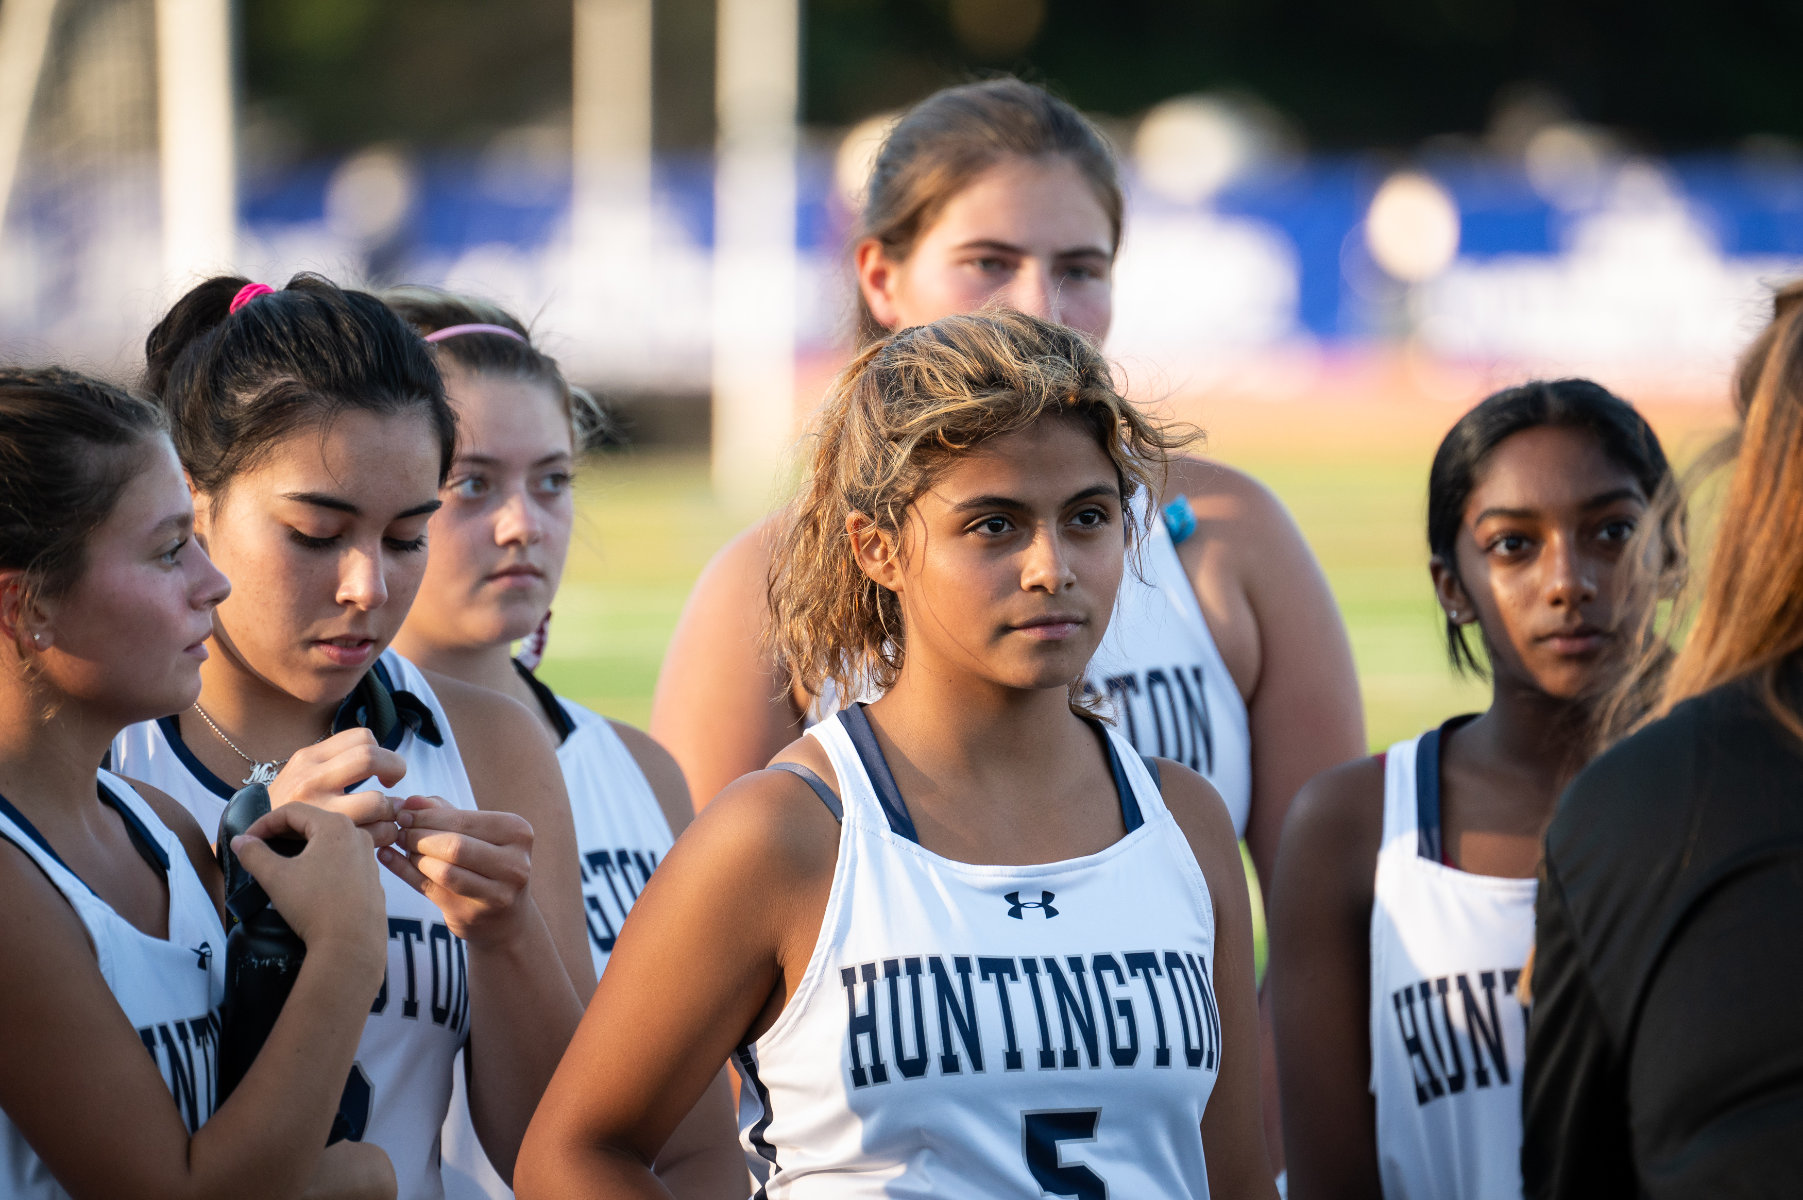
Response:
column 1575, row 1136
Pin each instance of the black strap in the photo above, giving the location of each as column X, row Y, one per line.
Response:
column 376, row 705
column 547, row 700
column 1152, row 770
column 1429, row 842
column 1131, row 817
column 818, row 784
column 863, row 739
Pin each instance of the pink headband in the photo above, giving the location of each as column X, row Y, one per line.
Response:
column 451, row 331
column 247, row 293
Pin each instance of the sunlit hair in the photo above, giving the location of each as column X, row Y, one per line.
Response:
column 904, row 410
column 1749, row 606
column 495, row 355
column 942, row 144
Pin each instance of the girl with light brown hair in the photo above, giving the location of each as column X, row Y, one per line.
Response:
column 1228, row 654
column 1662, row 1056
column 961, row 939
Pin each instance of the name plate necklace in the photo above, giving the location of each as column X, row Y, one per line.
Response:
column 260, row 772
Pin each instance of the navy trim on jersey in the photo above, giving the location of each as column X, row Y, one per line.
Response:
column 818, row 784
column 1130, row 814
column 1427, row 796
column 748, row 1064
column 374, row 704
column 553, row 708
column 1152, row 770
column 1429, row 843
column 863, row 739
column 141, row 841
column 172, row 733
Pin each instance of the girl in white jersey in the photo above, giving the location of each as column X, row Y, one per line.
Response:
column 1404, row 907
column 1227, row 653
column 961, row 942
column 314, row 430
column 112, row 950
column 498, row 550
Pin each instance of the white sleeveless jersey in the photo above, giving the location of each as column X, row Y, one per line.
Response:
column 1448, row 1036
column 621, row 836
column 402, row 1079
column 1160, row 678
column 997, row 1031
column 169, row 988
column 1163, row 681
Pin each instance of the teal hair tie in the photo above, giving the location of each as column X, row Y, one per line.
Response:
column 1179, row 520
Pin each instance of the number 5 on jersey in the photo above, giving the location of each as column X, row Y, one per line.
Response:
column 1042, row 1132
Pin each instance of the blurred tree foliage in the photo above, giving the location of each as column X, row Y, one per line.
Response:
column 1678, row 73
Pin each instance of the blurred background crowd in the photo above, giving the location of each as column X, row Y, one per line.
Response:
column 1348, row 222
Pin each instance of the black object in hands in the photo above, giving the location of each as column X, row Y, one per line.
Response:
column 263, row 957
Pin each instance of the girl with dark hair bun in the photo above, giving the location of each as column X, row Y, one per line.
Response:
column 1402, row 916
column 112, row 950
column 313, row 427
column 498, row 550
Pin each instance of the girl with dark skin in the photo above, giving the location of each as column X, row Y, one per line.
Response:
column 1533, row 499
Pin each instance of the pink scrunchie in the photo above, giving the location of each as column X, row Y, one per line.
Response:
column 246, row 294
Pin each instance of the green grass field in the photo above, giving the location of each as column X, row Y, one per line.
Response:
column 648, row 522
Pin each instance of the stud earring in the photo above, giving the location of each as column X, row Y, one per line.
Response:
column 37, row 640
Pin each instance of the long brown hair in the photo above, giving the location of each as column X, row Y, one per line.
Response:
column 902, row 410
column 943, row 143
column 1749, row 614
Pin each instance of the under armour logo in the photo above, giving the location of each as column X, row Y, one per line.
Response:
column 204, row 952
column 1017, row 906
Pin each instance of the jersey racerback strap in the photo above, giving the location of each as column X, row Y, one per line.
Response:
column 818, row 784
column 895, row 809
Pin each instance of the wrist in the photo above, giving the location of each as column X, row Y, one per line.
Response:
column 355, row 955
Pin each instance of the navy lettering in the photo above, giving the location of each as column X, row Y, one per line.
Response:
column 912, row 1065
column 1003, row 969
column 863, row 1025
column 1068, row 1011
column 1488, row 1033
column 1047, row 1060
column 409, row 931
column 444, row 974
column 1201, row 728
column 1144, row 964
column 1455, row 1078
column 1122, row 1056
column 950, row 1014
column 1173, row 965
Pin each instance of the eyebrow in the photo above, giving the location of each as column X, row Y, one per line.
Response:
column 174, row 521
column 1600, row 500
column 1009, row 248
column 489, row 460
column 981, row 502
column 322, row 500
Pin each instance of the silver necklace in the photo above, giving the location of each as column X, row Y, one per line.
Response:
column 260, row 772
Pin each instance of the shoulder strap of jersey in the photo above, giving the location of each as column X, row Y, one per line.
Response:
column 817, row 784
